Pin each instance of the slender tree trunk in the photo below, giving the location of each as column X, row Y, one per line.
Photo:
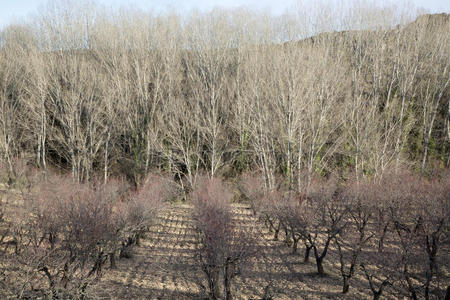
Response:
column 320, row 270
column 345, row 284
column 105, row 170
column 51, row 283
column 112, row 261
column 448, row 129
column 276, row 231
column 381, row 241
column 307, row 253
column 227, row 281
column 294, row 244
column 319, row 262
column 411, row 289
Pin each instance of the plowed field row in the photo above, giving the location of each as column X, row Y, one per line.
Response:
column 164, row 266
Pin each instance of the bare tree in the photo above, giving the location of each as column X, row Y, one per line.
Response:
column 224, row 246
column 325, row 219
column 15, row 40
column 356, row 236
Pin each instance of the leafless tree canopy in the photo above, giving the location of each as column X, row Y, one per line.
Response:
column 97, row 92
column 319, row 113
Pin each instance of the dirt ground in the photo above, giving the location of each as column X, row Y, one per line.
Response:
column 164, row 267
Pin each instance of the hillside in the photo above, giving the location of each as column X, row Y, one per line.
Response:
column 222, row 155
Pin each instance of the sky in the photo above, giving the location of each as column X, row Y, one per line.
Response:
column 17, row 10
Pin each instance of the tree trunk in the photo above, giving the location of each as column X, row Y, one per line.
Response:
column 51, row 282
column 381, row 241
column 105, row 170
column 212, row 277
column 319, row 258
column 412, row 291
column 320, row 270
column 227, row 282
column 345, row 285
column 287, row 241
column 307, row 253
column 112, row 261
column 137, row 240
column 432, row 248
column 276, row 231
column 294, row 245
column 425, row 151
column 377, row 295
column 213, row 286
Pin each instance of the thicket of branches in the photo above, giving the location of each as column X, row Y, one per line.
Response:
column 393, row 231
column 92, row 91
column 225, row 245
column 96, row 94
column 57, row 236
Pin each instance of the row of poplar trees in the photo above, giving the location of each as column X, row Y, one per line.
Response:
column 103, row 93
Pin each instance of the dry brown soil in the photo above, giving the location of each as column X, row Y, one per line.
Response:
column 164, row 266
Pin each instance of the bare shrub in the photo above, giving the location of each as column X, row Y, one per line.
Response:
column 139, row 212
column 434, row 233
column 64, row 231
column 58, row 237
column 271, row 207
column 325, row 218
column 76, row 223
column 316, row 218
column 380, row 270
column 288, row 210
column 359, row 200
column 402, row 189
column 224, row 246
column 419, row 210
column 411, row 217
column 252, row 187
column 16, row 175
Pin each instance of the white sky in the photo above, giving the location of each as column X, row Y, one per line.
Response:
column 16, row 10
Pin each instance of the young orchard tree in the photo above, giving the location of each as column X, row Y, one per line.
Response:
column 374, row 238
column 18, row 275
column 380, row 271
column 291, row 218
column 77, row 227
column 356, row 236
column 138, row 213
column 274, row 208
column 418, row 228
column 224, row 246
column 432, row 229
column 325, row 218
column 410, row 231
column 402, row 208
column 71, row 228
column 252, row 188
